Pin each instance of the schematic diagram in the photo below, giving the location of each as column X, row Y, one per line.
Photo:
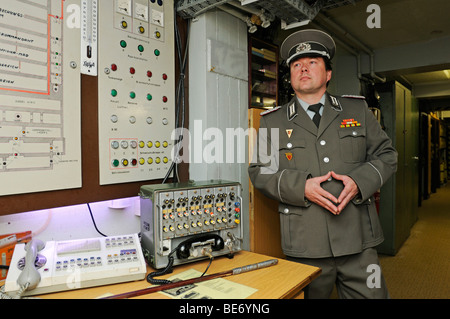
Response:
column 40, row 144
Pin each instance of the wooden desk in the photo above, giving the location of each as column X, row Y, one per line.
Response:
column 284, row 280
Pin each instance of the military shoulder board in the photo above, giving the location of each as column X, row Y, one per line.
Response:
column 355, row 97
column 270, row 111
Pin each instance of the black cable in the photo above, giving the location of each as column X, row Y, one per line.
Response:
column 93, row 221
column 210, row 261
column 180, row 94
column 165, row 271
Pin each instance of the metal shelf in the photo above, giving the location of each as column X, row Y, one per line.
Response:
column 290, row 11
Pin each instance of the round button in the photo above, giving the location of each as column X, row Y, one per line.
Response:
column 114, row 92
column 157, row 52
column 124, row 144
column 165, row 159
column 158, row 160
column 150, row 160
column 132, row 94
column 132, row 119
column 149, row 144
column 133, row 144
column 123, row 43
column 326, row 159
column 165, row 121
column 165, row 144
column 289, row 145
column 113, row 67
column 140, row 48
column 125, row 162
column 157, row 34
column 141, row 144
column 115, row 144
column 164, row 76
column 115, row 163
column 132, row 70
column 142, row 161
column 114, row 118
column 149, row 97
column 322, row 142
column 354, row 133
column 141, row 29
column 157, row 144
column 149, row 120
column 286, row 210
column 124, row 24
column 149, row 74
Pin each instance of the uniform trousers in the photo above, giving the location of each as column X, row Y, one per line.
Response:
column 356, row 276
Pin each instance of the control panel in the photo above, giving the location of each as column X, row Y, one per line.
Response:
column 194, row 220
column 79, row 263
column 136, row 89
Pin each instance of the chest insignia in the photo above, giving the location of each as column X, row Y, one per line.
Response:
column 288, row 156
column 289, row 132
column 350, row 123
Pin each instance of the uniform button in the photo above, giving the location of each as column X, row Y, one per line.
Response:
column 289, row 145
column 354, row 133
column 286, row 211
column 326, row 159
column 322, row 142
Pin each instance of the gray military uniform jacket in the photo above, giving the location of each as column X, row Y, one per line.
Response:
column 290, row 149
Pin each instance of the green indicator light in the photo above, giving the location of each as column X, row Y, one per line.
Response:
column 149, row 97
column 114, row 92
column 115, row 163
column 132, row 94
column 140, row 48
column 157, row 52
column 123, row 43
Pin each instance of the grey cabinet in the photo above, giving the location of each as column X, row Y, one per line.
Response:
column 399, row 196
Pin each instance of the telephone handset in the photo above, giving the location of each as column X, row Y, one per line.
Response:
column 196, row 246
column 186, row 248
column 30, row 277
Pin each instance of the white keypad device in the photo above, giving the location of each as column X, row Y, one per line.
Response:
column 81, row 263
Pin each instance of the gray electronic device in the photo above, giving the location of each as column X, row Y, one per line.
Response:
column 190, row 221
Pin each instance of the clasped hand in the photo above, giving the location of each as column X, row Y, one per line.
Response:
column 316, row 194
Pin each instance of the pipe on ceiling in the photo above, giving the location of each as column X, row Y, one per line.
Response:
column 349, row 36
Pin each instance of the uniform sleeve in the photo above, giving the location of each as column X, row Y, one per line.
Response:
column 381, row 160
column 286, row 185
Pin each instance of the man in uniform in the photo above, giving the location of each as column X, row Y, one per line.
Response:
column 328, row 159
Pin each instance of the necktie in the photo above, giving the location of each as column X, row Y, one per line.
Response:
column 315, row 108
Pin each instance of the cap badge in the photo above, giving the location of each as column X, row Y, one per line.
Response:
column 304, row 46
